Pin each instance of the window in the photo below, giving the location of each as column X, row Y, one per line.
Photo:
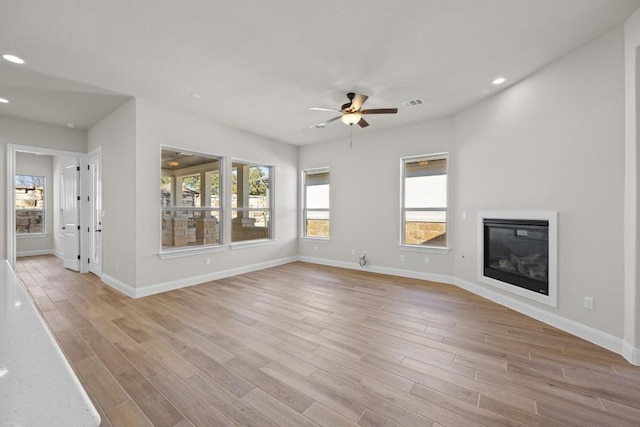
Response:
column 190, row 199
column 315, row 211
column 29, row 203
column 250, row 201
column 424, row 201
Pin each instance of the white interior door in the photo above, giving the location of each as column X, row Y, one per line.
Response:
column 95, row 222
column 71, row 217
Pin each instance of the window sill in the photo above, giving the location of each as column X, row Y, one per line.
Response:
column 31, row 235
column 184, row 252
column 430, row 249
column 315, row 239
column 252, row 243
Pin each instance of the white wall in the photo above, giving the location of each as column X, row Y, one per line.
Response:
column 161, row 126
column 554, row 141
column 38, row 165
column 26, row 132
column 116, row 134
column 365, row 195
column 632, row 189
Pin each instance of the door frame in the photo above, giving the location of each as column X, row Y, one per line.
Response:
column 88, row 203
column 12, row 149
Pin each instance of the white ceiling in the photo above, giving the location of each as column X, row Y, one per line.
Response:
column 258, row 65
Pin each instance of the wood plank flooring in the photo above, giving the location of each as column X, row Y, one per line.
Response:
column 307, row 345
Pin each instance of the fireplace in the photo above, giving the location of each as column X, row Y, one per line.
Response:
column 517, row 252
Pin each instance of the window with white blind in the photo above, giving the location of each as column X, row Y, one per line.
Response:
column 424, row 201
column 315, row 212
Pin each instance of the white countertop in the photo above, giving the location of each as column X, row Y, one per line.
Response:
column 37, row 385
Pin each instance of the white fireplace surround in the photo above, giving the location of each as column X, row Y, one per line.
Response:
column 550, row 299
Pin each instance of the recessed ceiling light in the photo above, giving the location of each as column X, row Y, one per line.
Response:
column 499, row 80
column 4, row 101
column 71, row 125
column 13, row 58
column 195, row 95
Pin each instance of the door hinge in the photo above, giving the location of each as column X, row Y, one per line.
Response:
column 88, row 230
column 78, row 227
column 88, row 199
column 88, row 167
column 78, row 168
column 88, row 260
column 78, row 198
column 78, row 256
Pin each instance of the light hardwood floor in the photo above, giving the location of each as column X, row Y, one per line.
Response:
column 301, row 344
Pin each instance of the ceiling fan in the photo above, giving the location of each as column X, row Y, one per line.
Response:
column 351, row 113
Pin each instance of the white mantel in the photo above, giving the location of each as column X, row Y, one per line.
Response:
column 552, row 217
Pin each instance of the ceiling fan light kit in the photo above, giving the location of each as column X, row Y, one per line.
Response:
column 351, row 118
column 351, row 112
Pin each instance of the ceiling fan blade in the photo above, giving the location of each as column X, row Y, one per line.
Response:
column 363, row 123
column 380, row 111
column 335, row 110
column 324, row 124
column 357, row 102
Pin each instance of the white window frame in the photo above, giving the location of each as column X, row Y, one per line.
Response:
column 270, row 210
column 45, row 194
column 415, row 247
column 180, row 251
column 305, row 173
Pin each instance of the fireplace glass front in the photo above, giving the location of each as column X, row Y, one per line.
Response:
column 517, row 252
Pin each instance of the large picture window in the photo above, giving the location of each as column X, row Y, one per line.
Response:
column 424, row 201
column 191, row 202
column 316, row 214
column 29, row 204
column 251, row 201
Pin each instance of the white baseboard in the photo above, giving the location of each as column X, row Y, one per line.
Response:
column 58, row 254
column 377, row 269
column 603, row 339
column 36, row 252
column 632, row 354
column 118, row 285
column 190, row 281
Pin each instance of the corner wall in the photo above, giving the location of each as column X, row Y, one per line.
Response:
column 632, row 190
column 555, row 142
column 365, row 198
column 116, row 134
column 158, row 126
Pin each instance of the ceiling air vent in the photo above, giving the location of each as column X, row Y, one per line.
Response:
column 320, row 126
column 413, row 102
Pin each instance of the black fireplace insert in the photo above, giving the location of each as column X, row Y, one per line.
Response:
column 517, row 252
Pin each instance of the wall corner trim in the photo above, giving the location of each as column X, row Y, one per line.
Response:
column 632, row 354
column 129, row 291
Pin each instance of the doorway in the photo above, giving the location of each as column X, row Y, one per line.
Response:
column 55, row 229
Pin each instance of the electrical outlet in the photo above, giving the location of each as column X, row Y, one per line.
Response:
column 426, row 260
column 464, row 215
column 588, row 303
column 315, row 248
column 402, row 258
column 353, row 251
column 117, row 266
column 207, row 261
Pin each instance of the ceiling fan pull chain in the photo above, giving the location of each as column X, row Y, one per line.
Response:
column 351, row 136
